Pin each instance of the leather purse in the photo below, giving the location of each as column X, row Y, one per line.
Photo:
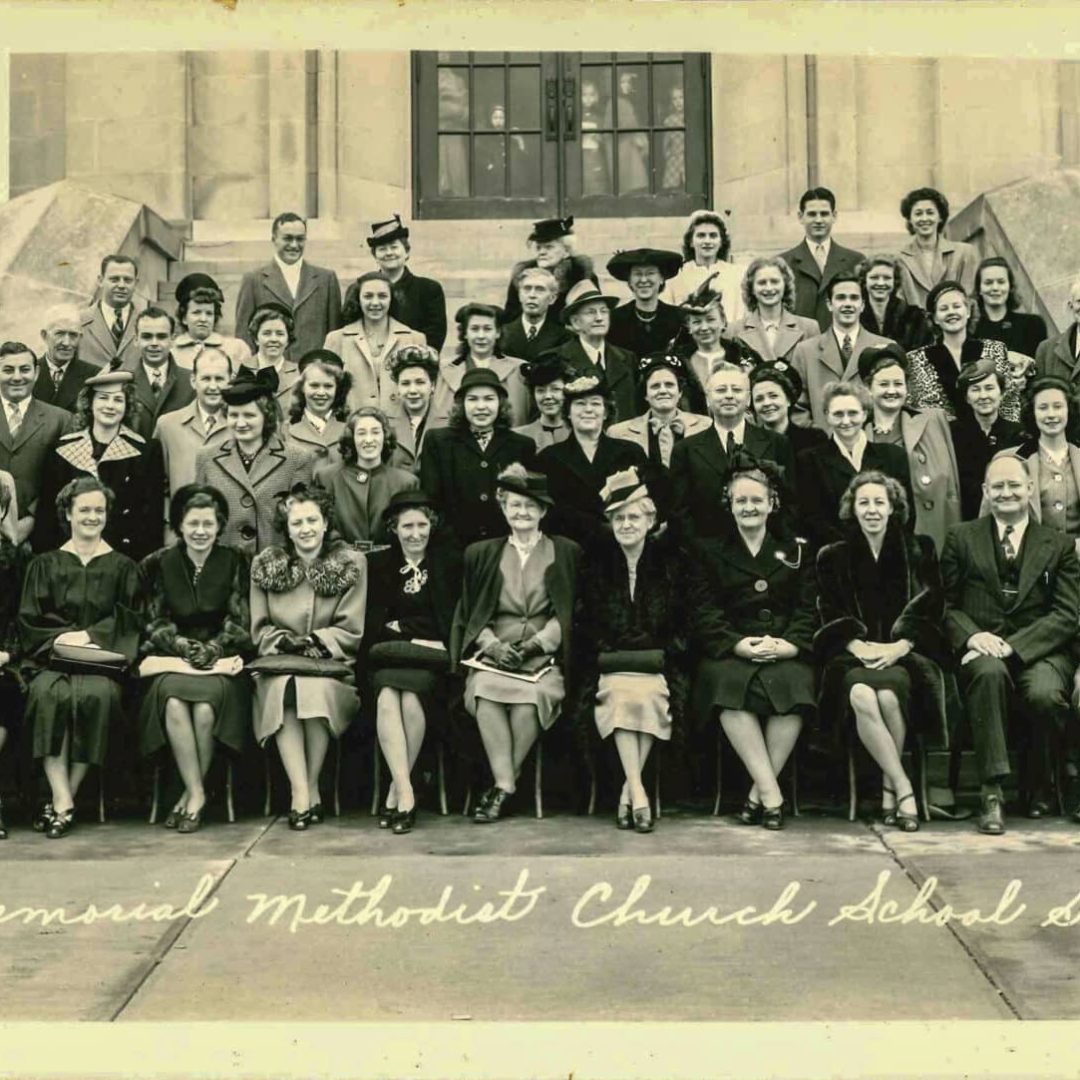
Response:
column 635, row 661
column 288, row 664
column 85, row 660
column 406, row 654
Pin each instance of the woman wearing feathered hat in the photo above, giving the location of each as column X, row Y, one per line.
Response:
column 577, row 468
column 253, row 464
column 199, row 301
column 104, row 446
column 631, row 638
column 552, row 241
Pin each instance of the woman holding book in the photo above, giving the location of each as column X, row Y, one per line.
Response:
column 197, row 612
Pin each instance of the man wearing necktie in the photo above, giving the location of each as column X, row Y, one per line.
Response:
column 107, row 326
column 818, row 257
column 1012, row 592
column 535, row 331
column 60, row 372
column 160, row 384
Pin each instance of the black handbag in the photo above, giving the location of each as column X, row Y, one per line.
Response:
column 407, row 654
column 86, row 660
column 636, row 661
column 290, row 664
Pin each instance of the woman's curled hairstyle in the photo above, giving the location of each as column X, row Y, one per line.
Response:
column 81, row 485
column 322, row 498
column 898, row 500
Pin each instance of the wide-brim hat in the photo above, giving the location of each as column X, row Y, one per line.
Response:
column 190, row 282
column 622, row 262
column 414, row 499
column 875, row 359
column 386, row 232
column 622, row 488
column 585, row 386
column 480, row 377
column 112, row 375
column 248, row 385
column 533, row 485
column 321, row 356
column 585, row 292
column 549, row 229
column 781, row 373
column 545, row 369
column 188, row 491
column 657, row 361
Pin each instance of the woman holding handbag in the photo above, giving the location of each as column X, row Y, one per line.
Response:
column 196, row 595
column 78, row 621
column 307, row 620
column 413, row 588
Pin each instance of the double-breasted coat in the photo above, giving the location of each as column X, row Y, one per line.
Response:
column 252, row 495
column 371, row 380
column 811, row 280
column 359, row 505
column 321, row 445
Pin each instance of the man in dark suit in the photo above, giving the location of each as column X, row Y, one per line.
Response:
column 646, row 324
column 311, row 293
column 160, row 384
column 108, row 324
column 535, row 331
column 700, row 463
column 418, row 302
column 1012, row 594
column 818, row 258
column 29, row 431
column 1060, row 355
column 588, row 315
column 60, row 372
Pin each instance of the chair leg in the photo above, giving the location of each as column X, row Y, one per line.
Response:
column 468, row 801
column 853, row 794
column 719, row 772
column 794, row 766
column 230, row 808
column 539, row 778
column 922, row 766
column 440, row 759
column 658, row 810
column 337, row 779
column 267, row 803
column 376, row 779
column 591, row 809
column 101, row 796
column 156, row 793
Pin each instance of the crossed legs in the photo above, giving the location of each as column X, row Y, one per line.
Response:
column 763, row 749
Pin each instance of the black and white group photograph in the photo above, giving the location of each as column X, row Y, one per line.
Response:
column 498, row 541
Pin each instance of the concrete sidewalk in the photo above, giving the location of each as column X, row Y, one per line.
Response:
column 560, row 919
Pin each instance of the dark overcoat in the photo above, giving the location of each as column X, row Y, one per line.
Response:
column 64, row 395
column 810, row 280
column 515, row 342
column 620, row 373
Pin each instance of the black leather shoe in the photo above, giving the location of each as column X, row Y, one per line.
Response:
column 316, row 813
column 643, row 820
column 386, row 815
column 299, row 820
column 1038, row 808
column 61, row 824
column 1072, row 798
column 751, row 812
column 772, row 817
column 491, row 806
column 403, row 821
column 624, row 818
column 992, row 816
column 44, row 817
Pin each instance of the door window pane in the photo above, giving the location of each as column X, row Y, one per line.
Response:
column 596, row 98
column 489, row 99
column 668, row 102
column 633, row 163
column 490, row 159
column 596, row 172
column 453, row 99
column 453, row 164
column 633, row 96
column 453, row 58
column 525, row 166
column 489, row 58
column 670, row 160
column 524, row 98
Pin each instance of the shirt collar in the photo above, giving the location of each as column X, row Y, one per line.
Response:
column 855, row 454
column 527, row 322
column 1019, row 528
column 318, row 424
column 290, row 273
column 109, row 312
column 156, row 373
column 103, row 548
column 739, row 432
column 595, row 355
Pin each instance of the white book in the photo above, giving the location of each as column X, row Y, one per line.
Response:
column 173, row 665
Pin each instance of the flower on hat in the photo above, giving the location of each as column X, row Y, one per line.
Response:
column 779, row 365
column 581, row 385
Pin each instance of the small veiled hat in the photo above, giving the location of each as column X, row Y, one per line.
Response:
column 248, row 385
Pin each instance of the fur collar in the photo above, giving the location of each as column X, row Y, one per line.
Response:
column 331, row 575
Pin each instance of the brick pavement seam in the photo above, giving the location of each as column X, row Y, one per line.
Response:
column 169, row 939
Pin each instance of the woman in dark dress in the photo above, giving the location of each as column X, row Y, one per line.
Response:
column 578, row 467
column 82, row 595
column 631, row 637
column 979, row 430
column 413, row 588
column 11, row 577
column 885, row 312
column 881, row 600
column 103, row 446
column 752, row 614
column 999, row 316
column 774, row 388
column 196, row 605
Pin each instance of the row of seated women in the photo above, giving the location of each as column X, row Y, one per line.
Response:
column 632, row 638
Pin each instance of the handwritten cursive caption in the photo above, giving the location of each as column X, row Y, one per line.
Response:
column 600, row 906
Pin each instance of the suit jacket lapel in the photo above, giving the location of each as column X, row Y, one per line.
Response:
column 985, row 557
column 309, row 280
column 1035, row 550
column 909, row 255
column 274, row 280
column 829, row 352
column 807, row 263
column 99, row 331
column 788, row 335
column 31, row 421
column 266, row 464
column 912, row 426
column 712, row 451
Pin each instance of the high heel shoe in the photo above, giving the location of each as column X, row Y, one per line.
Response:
column 44, row 818
column 316, row 813
column 299, row 820
column 403, row 821
column 907, row 822
column 888, row 813
column 624, row 818
column 61, row 824
column 751, row 812
column 491, row 806
column 190, row 823
column 643, row 819
column 386, row 815
column 772, row 817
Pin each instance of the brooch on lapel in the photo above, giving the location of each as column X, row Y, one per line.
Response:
column 800, row 543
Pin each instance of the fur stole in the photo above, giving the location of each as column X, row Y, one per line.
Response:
column 332, row 574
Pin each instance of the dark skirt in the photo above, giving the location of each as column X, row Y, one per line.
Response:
column 909, row 680
column 228, row 696
column 11, row 702
column 786, row 686
column 87, row 704
column 893, row 678
column 431, row 687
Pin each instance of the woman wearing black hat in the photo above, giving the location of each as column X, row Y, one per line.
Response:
column 979, row 430
column 545, row 378
column 577, row 468
column 770, row 326
column 102, row 445
column 922, row 433
column 196, row 595
column 273, row 330
column 318, row 409
column 646, row 324
column 478, row 347
column 631, row 638
column 362, row 481
column 459, row 462
column 516, row 616
column 253, row 464
column 415, row 371
column 413, row 588
column 199, row 301
column 774, row 388
column 751, row 602
column 552, row 240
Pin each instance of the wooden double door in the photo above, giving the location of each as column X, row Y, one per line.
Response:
column 545, row 134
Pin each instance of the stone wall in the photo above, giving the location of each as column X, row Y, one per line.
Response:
column 37, row 121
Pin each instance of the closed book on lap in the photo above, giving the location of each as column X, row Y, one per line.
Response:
column 634, row 661
column 430, row 656
column 87, row 660
column 287, row 664
column 533, row 670
column 173, row 665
